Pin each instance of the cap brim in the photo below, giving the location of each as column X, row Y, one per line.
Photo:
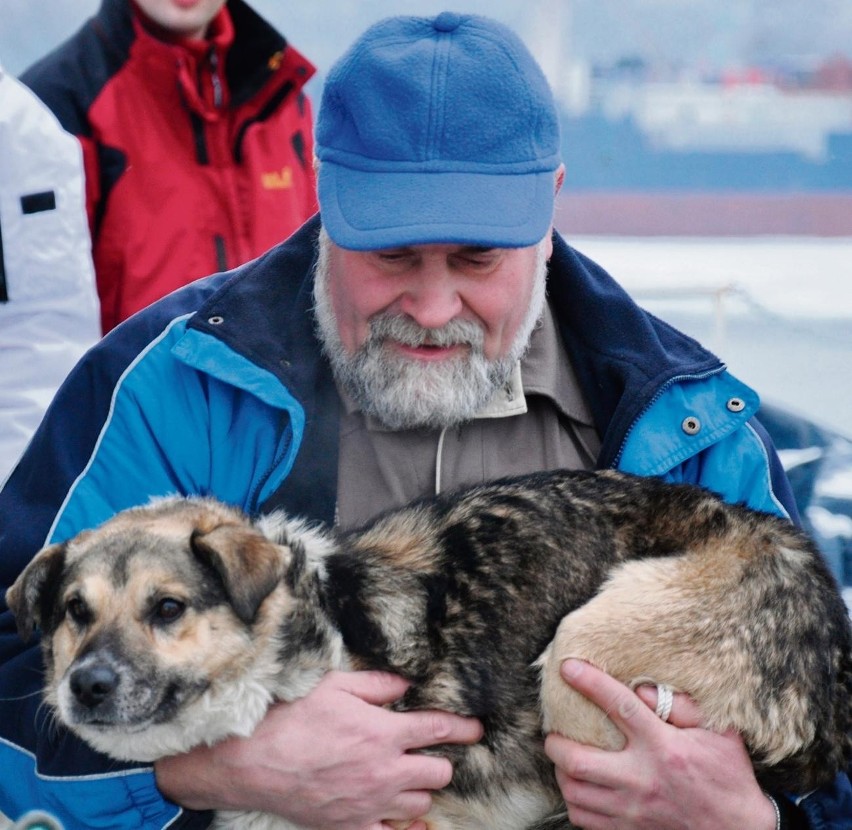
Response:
column 366, row 211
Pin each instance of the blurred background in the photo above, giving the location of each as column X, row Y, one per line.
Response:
column 708, row 146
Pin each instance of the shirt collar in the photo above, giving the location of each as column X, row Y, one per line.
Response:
column 547, row 371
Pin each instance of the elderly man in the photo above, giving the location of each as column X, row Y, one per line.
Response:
column 428, row 329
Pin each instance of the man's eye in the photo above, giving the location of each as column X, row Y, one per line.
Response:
column 478, row 260
column 168, row 610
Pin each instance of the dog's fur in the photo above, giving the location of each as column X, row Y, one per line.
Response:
column 178, row 623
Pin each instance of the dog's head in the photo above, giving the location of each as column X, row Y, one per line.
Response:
column 143, row 616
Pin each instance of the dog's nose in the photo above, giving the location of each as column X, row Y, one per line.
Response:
column 93, row 684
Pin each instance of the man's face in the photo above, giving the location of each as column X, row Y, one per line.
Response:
column 185, row 18
column 424, row 335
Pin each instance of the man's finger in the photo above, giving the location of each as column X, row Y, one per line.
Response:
column 376, row 687
column 428, row 728
column 621, row 705
column 417, row 771
column 401, row 825
column 421, row 728
column 684, row 713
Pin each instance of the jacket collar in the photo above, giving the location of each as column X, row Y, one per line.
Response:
column 194, row 62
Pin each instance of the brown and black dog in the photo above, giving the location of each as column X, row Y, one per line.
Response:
column 179, row 623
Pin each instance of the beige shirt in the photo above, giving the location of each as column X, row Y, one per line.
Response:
column 538, row 421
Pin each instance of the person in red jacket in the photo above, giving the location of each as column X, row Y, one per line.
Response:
column 197, row 140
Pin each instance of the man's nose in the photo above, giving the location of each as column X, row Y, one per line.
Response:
column 431, row 298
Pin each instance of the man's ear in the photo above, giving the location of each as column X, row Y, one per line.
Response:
column 560, row 179
column 33, row 595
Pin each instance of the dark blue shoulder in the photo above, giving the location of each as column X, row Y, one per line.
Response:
column 69, row 78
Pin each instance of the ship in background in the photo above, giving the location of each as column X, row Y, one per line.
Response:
column 653, row 150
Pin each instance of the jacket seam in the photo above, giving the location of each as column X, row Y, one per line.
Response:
column 93, row 777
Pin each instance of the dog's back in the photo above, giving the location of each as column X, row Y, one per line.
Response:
column 463, row 592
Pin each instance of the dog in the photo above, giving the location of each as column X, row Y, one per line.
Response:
column 178, row 623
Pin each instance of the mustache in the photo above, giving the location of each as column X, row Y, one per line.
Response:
column 404, row 330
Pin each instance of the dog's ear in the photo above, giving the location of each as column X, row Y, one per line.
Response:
column 249, row 565
column 32, row 598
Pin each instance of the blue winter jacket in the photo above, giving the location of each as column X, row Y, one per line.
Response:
column 221, row 389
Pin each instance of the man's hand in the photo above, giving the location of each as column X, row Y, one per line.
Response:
column 334, row 759
column 669, row 776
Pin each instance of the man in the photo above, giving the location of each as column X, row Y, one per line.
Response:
column 196, row 138
column 455, row 338
column 48, row 303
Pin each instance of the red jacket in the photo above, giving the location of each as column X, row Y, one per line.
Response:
column 199, row 155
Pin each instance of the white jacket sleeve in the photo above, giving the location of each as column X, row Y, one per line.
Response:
column 49, row 313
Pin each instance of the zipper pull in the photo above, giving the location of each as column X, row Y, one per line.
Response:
column 214, row 76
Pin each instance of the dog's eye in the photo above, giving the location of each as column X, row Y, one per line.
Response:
column 168, row 610
column 78, row 610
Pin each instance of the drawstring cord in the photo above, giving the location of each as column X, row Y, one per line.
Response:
column 438, row 459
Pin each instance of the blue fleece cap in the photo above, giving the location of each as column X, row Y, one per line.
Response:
column 439, row 130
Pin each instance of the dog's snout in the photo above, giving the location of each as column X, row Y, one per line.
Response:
column 92, row 685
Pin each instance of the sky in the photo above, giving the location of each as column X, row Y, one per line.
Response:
column 709, row 33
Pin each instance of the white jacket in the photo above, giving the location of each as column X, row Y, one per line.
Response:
column 49, row 311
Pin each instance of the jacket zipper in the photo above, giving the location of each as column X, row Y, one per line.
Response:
column 201, row 154
column 214, row 77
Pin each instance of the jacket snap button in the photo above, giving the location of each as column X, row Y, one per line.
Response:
column 215, row 320
column 691, row 425
column 736, row 404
